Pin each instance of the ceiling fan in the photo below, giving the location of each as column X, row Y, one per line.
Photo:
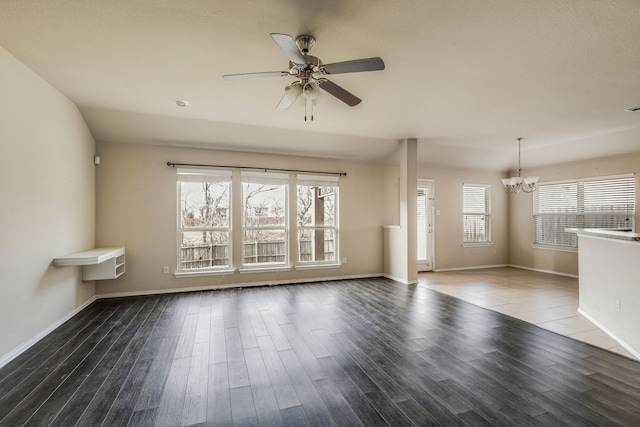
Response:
column 311, row 73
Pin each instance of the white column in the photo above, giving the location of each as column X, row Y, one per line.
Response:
column 408, row 206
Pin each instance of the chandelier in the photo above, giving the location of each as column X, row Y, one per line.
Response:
column 515, row 184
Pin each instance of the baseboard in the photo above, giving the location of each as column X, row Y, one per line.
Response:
column 626, row 346
column 17, row 351
column 235, row 285
column 557, row 273
column 476, row 267
column 397, row 279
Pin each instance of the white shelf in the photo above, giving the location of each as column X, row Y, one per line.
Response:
column 97, row 264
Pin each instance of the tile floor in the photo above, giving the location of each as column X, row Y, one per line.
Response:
column 546, row 300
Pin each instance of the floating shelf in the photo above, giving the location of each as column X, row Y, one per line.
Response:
column 97, row 264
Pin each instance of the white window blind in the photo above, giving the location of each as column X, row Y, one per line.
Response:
column 599, row 202
column 264, row 178
column 476, row 207
column 203, row 175
column 318, row 180
column 422, row 223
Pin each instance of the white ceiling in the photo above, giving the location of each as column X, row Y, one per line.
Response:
column 465, row 77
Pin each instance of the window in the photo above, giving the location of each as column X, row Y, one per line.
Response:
column 317, row 218
column 264, row 219
column 255, row 216
column 476, row 213
column 600, row 202
column 203, row 224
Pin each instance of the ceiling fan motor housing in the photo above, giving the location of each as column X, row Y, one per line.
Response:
column 311, row 66
column 305, row 43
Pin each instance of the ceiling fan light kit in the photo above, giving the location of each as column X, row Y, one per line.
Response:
column 311, row 91
column 516, row 184
column 310, row 72
column 293, row 92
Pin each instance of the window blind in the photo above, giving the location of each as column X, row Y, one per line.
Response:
column 264, row 178
column 317, row 180
column 598, row 202
column 476, row 199
column 422, row 225
column 203, row 175
column 476, row 210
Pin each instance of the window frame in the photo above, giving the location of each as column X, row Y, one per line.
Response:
column 203, row 176
column 577, row 217
column 308, row 180
column 277, row 179
column 236, row 227
column 486, row 214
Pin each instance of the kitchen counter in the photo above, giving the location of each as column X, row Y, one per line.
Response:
column 610, row 234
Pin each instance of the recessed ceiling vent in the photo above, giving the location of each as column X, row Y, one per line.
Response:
column 633, row 109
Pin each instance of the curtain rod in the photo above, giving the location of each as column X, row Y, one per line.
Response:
column 172, row 164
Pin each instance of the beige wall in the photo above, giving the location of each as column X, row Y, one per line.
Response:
column 47, row 208
column 136, row 208
column 448, row 250
column 521, row 212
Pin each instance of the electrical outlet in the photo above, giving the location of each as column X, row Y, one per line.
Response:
column 618, row 306
column 344, row 260
column 165, row 270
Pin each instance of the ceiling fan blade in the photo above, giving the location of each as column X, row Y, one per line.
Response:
column 289, row 47
column 245, row 76
column 355, row 66
column 285, row 102
column 342, row 94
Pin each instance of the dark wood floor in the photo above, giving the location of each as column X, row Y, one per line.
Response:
column 357, row 352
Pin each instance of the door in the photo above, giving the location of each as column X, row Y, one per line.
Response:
column 425, row 225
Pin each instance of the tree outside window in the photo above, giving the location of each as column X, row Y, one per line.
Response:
column 316, row 219
column 205, row 229
column 264, row 223
column 204, row 225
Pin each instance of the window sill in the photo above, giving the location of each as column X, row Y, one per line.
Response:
column 181, row 274
column 317, row 266
column 555, row 248
column 246, row 270
column 476, row 245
